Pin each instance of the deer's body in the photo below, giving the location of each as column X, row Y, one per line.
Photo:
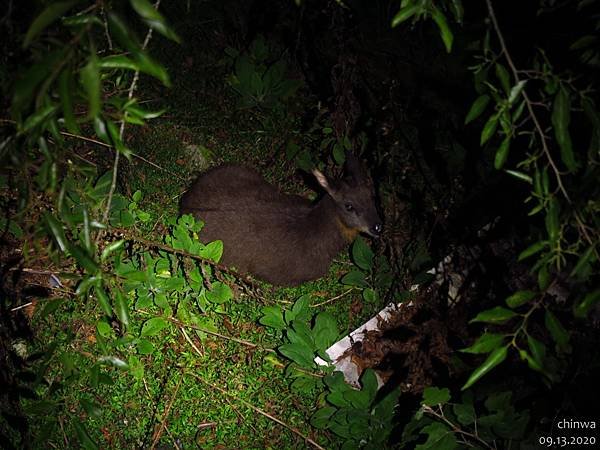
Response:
column 282, row 239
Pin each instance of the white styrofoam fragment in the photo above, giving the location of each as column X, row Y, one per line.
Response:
column 337, row 350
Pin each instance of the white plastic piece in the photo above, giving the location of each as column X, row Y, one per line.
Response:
column 344, row 363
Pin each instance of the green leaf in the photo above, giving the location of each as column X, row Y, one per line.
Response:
column 485, row 343
column 91, row 408
column 516, row 90
column 113, row 361
column 458, row 10
column 369, row 295
column 489, row 129
column 519, row 298
column 502, row 153
column 583, row 307
column 83, row 258
column 320, row 419
column 118, row 62
column 339, row 154
column 520, row 175
column 561, row 118
column 26, row 85
column 65, row 92
column 404, row 14
column 362, row 254
column 433, row 396
column 357, row 399
column 552, row 219
column 557, row 331
column 38, row 117
column 153, row 326
column 497, row 314
column 111, row 248
column 82, row 19
column 153, row 19
column 49, row 15
column 145, row 347
column 121, row 308
column 90, row 79
column 504, row 78
column 439, row 437
column 220, row 293
column 136, row 368
column 213, row 251
column 120, row 31
column 325, row 330
column 543, row 277
column 495, row 358
column 300, row 310
column 103, row 300
column 84, row 437
column 532, row 249
column 355, row 278
column 537, row 349
column 531, row 362
column 301, row 334
column 143, row 113
column 477, row 108
column 56, row 229
column 518, row 111
column 104, row 329
column 370, row 385
column 464, row 412
column 583, row 261
column 445, row 32
column 272, row 317
column 300, row 354
column 115, row 137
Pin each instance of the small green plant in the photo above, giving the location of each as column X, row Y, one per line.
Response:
column 354, row 415
column 357, row 416
column 259, row 78
column 305, row 336
column 321, row 144
column 480, row 423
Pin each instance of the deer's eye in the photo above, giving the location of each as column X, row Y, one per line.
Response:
column 349, row 207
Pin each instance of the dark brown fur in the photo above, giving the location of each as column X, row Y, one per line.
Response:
column 282, row 239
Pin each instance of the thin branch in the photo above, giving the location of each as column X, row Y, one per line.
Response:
column 455, row 429
column 212, row 333
column 343, row 294
column 163, row 424
column 221, row 267
column 256, row 409
column 528, row 101
column 113, row 184
column 538, row 126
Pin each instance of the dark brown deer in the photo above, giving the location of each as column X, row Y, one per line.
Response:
column 282, row 239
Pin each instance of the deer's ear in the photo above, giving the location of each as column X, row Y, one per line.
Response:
column 354, row 170
column 324, row 182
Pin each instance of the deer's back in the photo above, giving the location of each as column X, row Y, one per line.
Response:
column 272, row 235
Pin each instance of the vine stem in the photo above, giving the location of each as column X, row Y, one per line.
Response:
column 455, row 428
column 528, row 101
column 241, row 277
column 256, row 409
